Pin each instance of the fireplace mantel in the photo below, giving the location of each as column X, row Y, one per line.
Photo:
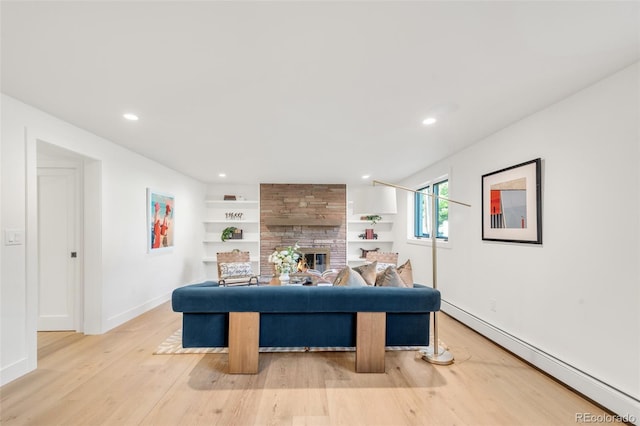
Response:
column 301, row 221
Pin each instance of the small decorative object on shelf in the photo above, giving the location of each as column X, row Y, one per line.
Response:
column 285, row 261
column 234, row 215
column 368, row 235
column 231, row 233
column 365, row 251
column 230, row 198
column 373, row 218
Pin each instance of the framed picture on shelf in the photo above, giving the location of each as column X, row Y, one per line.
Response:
column 512, row 204
column 160, row 221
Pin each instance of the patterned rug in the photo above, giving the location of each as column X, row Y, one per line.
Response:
column 173, row 346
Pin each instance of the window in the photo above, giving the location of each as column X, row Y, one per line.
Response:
column 422, row 227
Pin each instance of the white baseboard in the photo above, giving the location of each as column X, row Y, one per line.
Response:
column 624, row 405
column 14, row 371
column 130, row 314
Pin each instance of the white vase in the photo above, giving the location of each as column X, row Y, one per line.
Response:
column 284, row 276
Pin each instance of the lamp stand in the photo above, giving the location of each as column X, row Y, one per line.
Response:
column 433, row 354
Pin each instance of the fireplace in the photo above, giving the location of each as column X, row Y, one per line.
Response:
column 314, row 258
column 312, row 216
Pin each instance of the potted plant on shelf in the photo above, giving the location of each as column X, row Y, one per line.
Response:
column 231, row 233
column 374, row 218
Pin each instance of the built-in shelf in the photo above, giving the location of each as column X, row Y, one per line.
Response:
column 241, row 240
column 357, row 226
column 229, row 221
column 217, row 218
column 368, row 222
column 231, row 202
column 294, row 221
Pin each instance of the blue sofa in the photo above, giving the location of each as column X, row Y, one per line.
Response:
column 304, row 316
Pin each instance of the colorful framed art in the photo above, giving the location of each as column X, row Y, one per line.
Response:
column 512, row 204
column 160, row 221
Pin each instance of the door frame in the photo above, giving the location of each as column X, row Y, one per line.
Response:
column 92, row 240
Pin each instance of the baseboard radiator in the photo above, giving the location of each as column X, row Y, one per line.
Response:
column 619, row 402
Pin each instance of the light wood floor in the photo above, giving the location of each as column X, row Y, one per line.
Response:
column 113, row 379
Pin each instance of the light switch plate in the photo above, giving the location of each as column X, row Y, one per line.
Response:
column 13, row 237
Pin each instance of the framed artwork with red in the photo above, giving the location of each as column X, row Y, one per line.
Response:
column 512, row 204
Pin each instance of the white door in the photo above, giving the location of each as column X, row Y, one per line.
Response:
column 57, row 248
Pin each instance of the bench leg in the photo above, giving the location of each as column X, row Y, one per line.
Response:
column 244, row 336
column 370, row 341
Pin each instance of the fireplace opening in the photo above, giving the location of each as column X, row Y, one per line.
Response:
column 317, row 261
column 313, row 258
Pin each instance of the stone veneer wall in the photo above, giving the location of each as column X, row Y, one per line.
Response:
column 303, row 204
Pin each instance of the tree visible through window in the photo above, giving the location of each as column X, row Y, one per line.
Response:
column 423, row 211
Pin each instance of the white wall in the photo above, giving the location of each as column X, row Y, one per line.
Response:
column 571, row 305
column 129, row 281
column 218, row 190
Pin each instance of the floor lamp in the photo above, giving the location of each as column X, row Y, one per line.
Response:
column 368, row 203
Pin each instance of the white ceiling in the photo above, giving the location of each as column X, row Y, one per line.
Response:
column 304, row 91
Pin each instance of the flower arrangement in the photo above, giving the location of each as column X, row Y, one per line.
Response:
column 285, row 261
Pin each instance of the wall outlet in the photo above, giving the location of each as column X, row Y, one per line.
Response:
column 493, row 305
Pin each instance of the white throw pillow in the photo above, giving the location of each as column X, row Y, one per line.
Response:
column 235, row 270
column 349, row 278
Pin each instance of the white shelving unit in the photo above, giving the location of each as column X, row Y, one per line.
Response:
column 356, row 226
column 216, row 221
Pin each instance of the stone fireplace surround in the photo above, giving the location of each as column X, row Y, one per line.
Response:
column 312, row 215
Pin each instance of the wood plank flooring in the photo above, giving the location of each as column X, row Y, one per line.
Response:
column 113, row 379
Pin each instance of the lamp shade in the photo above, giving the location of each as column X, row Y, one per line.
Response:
column 375, row 200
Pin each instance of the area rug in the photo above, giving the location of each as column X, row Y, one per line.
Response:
column 173, row 346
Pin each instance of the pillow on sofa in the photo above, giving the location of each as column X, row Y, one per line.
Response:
column 390, row 278
column 235, row 270
column 368, row 272
column 350, row 278
column 406, row 273
column 383, row 266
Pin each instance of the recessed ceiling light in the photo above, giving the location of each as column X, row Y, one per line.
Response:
column 222, row 174
column 130, row 117
column 429, row 121
column 366, row 176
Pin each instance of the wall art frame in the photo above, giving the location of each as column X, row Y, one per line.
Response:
column 160, row 221
column 512, row 204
